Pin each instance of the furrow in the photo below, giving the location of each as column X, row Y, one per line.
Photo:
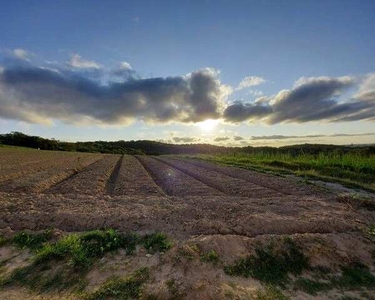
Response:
column 174, row 182
column 91, row 181
column 224, row 183
column 133, row 180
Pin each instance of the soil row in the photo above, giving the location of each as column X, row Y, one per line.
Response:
column 33, row 162
column 50, row 175
column 280, row 184
column 92, row 180
column 224, row 183
column 174, row 182
column 132, row 179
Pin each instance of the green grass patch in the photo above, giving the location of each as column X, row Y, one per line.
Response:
column 156, row 242
column 64, row 263
column 33, row 241
column 121, row 287
column 270, row 266
column 3, row 240
column 353, row 277
column 312, row 287
column 271, row 293
column 210, row 256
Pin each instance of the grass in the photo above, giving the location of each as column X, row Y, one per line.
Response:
column 3, row 240
column 128, row 287
column 64, row 263
column 271, row 293
column 270, row 266
column 31, row 240
column 210, row 256
column 156, row 242
column 353, row 277
column 349, row 169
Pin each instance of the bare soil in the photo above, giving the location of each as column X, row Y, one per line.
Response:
column 199, row 205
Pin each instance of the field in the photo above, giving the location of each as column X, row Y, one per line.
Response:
column 109, row 226
column 350, row 169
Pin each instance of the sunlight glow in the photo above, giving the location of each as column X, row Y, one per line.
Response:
column 208, row 125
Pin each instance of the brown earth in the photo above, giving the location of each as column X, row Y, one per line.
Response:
column 213, row 207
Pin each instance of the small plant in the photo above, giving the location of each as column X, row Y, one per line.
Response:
column 3, row 240
column 269, row 266
column 355, row 276
column 31, row 240
column 156, row 242
column 121, row 287
column 311, row 287
column 271, row 293
column 81, row 249
column 210, row 256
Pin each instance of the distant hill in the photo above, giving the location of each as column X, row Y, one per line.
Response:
column 158, row 148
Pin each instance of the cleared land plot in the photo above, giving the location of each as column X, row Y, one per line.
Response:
column 173, row 181
column 180, row 217
column 224, row 183
column 34, row 161
column 133, row 180
column 228, row 231
column 92, row 180
column 51, row 174
column 285, row 186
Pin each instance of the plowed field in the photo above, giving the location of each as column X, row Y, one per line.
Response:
column 200, row 206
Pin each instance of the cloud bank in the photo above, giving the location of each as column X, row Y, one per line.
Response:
column 324, row 99
column 39, row 95
column 84, row 92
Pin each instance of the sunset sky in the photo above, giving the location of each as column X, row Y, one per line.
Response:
column 224, row 72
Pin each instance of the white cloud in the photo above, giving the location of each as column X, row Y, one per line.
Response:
column 21, row 54
column 250, row 81
column 76, row 61
column 126, row 65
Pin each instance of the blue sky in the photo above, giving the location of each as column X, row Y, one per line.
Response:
column 271, row 43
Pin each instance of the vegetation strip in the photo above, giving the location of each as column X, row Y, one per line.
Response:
column 75, row 253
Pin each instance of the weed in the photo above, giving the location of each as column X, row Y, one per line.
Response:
column 210, row 256
column 3, row 240
column 172, row 286
column 121, row 287
column 156, row 242
column 270, row 267
column 31, row 240
column 81, row 249
column 271, row 293
column 354, row 277
column 311, row 287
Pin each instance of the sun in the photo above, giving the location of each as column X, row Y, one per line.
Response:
column 208, row 125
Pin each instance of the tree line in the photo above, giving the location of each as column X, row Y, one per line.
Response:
column 158, row 148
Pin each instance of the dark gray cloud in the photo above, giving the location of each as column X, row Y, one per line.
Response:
column 38, row 95
column 284, row 137
column 238, row 138
column 312, row 99
column 221, row 139
column 238, row 112
column 177, row 139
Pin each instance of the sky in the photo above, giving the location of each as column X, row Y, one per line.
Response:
column 233, row 73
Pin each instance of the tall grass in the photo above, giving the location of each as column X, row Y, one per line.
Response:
column 350, row 167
